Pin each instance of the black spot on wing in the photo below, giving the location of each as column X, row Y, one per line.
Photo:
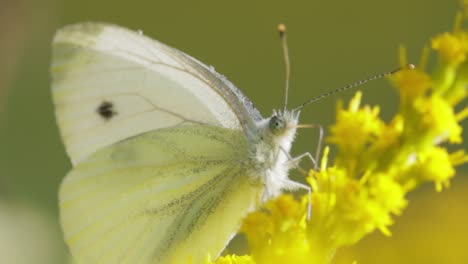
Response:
column 106, row 110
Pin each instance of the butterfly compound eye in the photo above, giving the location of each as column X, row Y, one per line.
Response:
column 276, row 125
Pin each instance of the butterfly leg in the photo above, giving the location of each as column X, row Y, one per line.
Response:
column 319, row 146
column 292, row 185
column 298, row 185
column 294, row 161
column 315, row 159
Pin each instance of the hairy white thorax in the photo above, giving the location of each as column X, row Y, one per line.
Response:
column 271, row 151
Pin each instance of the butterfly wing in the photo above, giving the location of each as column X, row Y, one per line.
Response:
column 159, row 144
column 167, row 196
column 110, row 83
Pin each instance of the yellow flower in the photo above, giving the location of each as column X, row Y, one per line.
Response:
column 436, row 116
column 458, row 158
column 277, row 233
column 231, row 259
column 359, row 124
column 433, row 165
column 411, row 83
column 452, row 47
column 377, row 164
column 390, row 137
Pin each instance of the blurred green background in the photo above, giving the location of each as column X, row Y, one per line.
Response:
column 332, row 43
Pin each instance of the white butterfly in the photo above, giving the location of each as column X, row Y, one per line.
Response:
column 168, row 155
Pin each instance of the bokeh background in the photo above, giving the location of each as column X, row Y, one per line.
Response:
column 332, row 43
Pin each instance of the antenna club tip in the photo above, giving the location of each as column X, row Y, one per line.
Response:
column 410, row 66
column 282, row 28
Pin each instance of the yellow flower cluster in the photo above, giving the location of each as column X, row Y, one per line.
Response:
column 232, row 259
column 377, row 164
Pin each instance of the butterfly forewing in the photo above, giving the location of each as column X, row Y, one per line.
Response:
column 110, row 83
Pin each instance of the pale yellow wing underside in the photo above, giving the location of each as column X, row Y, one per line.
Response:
column 145, row 84
column 167, row 196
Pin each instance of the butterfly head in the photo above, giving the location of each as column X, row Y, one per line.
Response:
column 283, row 123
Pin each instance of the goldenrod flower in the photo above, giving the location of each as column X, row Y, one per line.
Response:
column 359, row 124
column 433, row 165
column 411, row 83
column 452, row 47
column 232, row 259
column 376, row 165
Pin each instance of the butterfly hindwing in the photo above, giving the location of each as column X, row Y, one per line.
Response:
column 161, row 197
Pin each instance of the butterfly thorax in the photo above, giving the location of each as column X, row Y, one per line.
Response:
column 270, row 152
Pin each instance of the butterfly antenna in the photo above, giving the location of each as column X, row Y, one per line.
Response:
column 284, row 44
column 354, row 85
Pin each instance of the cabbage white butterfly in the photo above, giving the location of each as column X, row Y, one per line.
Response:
column 168, row 156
